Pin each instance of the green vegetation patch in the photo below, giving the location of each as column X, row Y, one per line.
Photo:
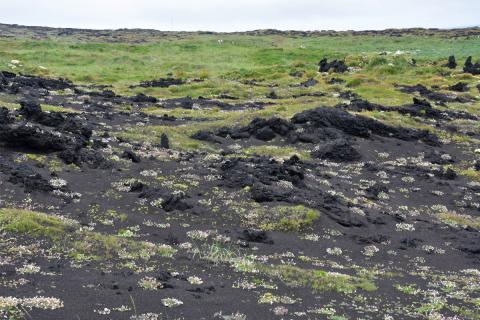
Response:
column 462, row 220
column 318, row 280
column 34, row 223
column 81, row 244
column 289, row 218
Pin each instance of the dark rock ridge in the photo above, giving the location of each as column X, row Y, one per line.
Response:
column 432, row 95
column 142, row 35
column 190, row 103
column 316, row 125
column 419, row 108
column 162, row 83
column 359, row 126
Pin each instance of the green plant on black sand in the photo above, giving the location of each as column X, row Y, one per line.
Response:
column 70, row 238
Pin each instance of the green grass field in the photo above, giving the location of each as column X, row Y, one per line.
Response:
column 264, row 58
column 226, row 61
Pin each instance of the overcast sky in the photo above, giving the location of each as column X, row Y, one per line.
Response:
column 240, row 15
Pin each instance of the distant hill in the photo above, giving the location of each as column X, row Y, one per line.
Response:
column 142, row 35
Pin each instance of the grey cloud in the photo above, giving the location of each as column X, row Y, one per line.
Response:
column 224, row 15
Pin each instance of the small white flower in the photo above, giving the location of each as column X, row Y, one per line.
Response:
column 28, row 269
column 335, row 251
column 405, row 227
column 194, row 280
column 58, row 183
column 171, row 302
column 370, row 250
column 103, row 311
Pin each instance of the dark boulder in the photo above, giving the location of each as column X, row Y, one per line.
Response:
column 339, row 150
column 5, row 116
column 8, row 74
column 272, row 95
column 308, row 83
column 452, row 64
column 62, row 122
column 323, row 65
column 130, row 155
column 143, row 98
column 336, row 81
column 252, row 235
column 476, row 165
column 31, row 181
column 37, row 137
column 93, row 159
column 337, row 66
column 176, row 202
column 460, row 87
column 164, row 141
column 262, row 129
column 30, row 109
column 265, row 134
column 240, row 173
column 206, row 136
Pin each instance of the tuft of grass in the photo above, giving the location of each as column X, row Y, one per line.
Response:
column 290, row 218
column 217, row 253
column 50, row 108
column 471, row 174
column 462, row 220
column 80, row 244
column 318, row 280
column 33, row 223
